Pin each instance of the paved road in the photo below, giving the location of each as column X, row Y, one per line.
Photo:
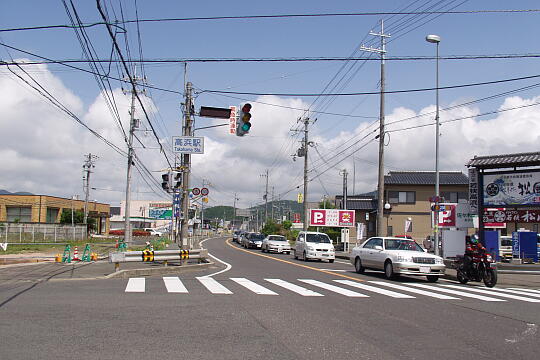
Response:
column 264, row 306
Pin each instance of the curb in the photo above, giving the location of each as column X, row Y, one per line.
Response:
column 124, row 274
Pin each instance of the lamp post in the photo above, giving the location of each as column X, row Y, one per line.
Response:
column 435, row 39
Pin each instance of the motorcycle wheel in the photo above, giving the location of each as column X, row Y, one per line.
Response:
column 490, row 278
column 461, row 277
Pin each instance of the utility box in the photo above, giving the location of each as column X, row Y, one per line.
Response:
column 453, row 243
column 524, row 245
column 345, row 239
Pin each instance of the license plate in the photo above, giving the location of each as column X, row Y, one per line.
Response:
column 279, row 250
column 425, row 269
column 324, row 254
column 493, row 266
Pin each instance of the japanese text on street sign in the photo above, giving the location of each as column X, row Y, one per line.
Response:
column 512, row 188
column 473, row 190
column 331, row 217
column 232, row 121
column 455, row 215
column 520, row 216
column 188, row 144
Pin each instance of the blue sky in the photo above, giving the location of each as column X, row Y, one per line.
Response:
column 463, row 34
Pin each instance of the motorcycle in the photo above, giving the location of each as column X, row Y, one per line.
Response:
column 481, row 268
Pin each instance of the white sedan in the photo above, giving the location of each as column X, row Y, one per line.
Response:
column 276, row 243
column 396, row 256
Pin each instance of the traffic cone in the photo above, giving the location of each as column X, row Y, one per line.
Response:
column 76, row 254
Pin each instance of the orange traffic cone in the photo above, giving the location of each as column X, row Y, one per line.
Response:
column 76, row 254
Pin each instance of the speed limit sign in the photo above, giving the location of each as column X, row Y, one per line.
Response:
column 195, row 191
column 204, row 191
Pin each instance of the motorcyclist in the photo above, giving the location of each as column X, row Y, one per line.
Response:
column 473, row 250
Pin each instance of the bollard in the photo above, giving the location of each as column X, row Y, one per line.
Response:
column 58, row 258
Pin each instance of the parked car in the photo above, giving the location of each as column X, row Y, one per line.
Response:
column 396, row 256
column 252, row 240
column 314, row 245
column 236, row 235
column 276, row 243
column 154, row 232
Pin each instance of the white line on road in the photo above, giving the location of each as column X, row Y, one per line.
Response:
column 256, row 288
column 517, row 292
column 227, row 265
column 294, row 288
column 489, row 292
column 414, row 290
column 456, row 292
column 135, row 285
column 174, row 285
column 335, row 270
column 343, row 262
column 213, row 286
column 527, row 290
column 333, row 288
column 375, row 289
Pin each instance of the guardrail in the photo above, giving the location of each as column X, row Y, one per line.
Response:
column 158, row 255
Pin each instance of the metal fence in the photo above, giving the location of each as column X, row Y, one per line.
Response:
column 40, row 233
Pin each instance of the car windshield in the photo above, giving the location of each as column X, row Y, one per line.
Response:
column 318, row 238
column 257, row 237
column 398, row 244
column 276, row 238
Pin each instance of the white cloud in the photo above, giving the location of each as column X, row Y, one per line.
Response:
column 42, row 148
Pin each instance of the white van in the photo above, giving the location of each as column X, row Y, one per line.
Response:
column 314, row 245
column 154, row 232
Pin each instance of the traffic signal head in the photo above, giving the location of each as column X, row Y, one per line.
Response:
column 166, row 183
column 177, row 180
column 244, row 124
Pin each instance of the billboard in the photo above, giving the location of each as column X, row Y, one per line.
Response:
column 455, row 215
column 160, row 211
column 512, row 188
column 331, row 217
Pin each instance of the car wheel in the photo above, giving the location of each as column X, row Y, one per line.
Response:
column 388, row 270
column 305, row 256
column 432, row 278
column 262, row 249
column 358, row 266
column 331, row 261
column 295, row 256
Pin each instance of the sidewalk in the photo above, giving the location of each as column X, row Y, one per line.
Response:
column 508, row 274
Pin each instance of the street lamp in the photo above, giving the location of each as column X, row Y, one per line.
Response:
column 436, row 40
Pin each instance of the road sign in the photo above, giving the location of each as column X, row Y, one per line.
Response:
column 188, row 144
column 204, row 191
column 331, row 217
column 196, row 191
column 232, row 121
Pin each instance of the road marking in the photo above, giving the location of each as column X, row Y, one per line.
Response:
column 489, row 292
column 335, row 270
column 293, row 263
column 135, row 285
column 227, row 265
column 293, row 287
column 256, row 288
column 527, row 290
column 516, row 291
column 413, row 290
column 376, row 289
column 333, row 288
column 174, row 285
column 213, row 286
column 456, row 292
column 343, row 262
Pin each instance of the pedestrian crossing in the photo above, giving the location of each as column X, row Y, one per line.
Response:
column 347, row 288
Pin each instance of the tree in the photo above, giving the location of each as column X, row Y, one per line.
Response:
column 271, row 228
column 326, row 204
column 78, row 218
column 287, row 224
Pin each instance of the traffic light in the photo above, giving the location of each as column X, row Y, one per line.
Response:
column 244, row 124
column 166, row 183
column 177, row 184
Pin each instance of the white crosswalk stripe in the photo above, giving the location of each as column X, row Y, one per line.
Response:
column 527, row 290
column 490, row 292
column 256, row 288
column 517, row 292
column 294, row 288
column 333, row 288
column 174, row 285
column 457, row 292
column 213, row 286
column 414, row 290
column 136, row 285
column 375, row 289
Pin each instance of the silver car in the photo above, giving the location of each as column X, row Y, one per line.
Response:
column 276, row 243
column 396, row 256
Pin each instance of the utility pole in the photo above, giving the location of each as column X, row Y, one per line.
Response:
column 186, row 168
column 266, row 197
column 303, row 152
column 234, row 207
column 380, row 188
column 133, row 124
column 273, row 218
column 88, row 164
column 344, row 173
